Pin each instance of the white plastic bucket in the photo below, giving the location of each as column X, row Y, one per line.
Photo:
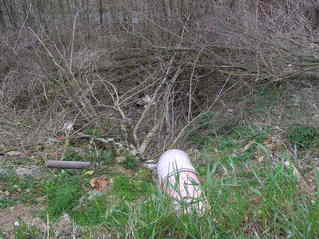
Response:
column 179, row 180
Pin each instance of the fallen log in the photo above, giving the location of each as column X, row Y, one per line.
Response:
column 67, row 164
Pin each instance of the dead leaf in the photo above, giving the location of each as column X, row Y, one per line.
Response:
column 60, row 138
column 29, row 154
column 13, row 153
column 126, row 171
column 273, row 143
column 100, row 183
column 120, row 159
column 89, row 172
column 247, row 146
column 260, row 158
column 41, row 199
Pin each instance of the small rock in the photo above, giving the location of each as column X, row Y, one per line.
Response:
column 4, row 172
column 120, row 159
column 2, row 156
column 79, row 150
column 3, row 195
column 150, row 164
column 315, row 117
column 51, row 141
column 64, row 228
column 14, row 153
column 93, row 194
column 32, row 172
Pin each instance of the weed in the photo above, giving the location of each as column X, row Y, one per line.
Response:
column 94, row 132
column 19, row 190
column 131, row 189
column 118, row 216
column 204, row 123
column 201, row 140
column 145, row 174
column 271, row 91
column 131, row 162
column 72, row 156
column 266, row 98
column 107, row 156
column 94, row 155
column 250, row 132
column 103, row 156
column 152, row 218
column 279, row 194
column 63, row 194
column 25, row 231
column 91, row 214
column 312, row 217
column 226, row 144
column 304, row 137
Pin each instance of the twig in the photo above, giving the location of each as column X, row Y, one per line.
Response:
column 47, row 50
column 191, row 85
column 72, row 43
column 149, row 137
column 102, row 140
column 220, row 93
column 115, row 99
column 148, row 106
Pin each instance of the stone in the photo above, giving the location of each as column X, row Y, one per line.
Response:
column 29, row 172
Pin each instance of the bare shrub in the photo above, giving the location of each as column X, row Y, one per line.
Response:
column 155, row 65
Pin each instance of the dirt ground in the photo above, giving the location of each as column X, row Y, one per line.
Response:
column 10, row 217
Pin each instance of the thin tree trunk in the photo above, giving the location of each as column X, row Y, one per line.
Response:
column 101, row 11
column 2, row 19
column 10, row 13
column 41, row 13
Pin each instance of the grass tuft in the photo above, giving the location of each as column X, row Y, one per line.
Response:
column 63, row 194
column 304, row 137
column 131, row 189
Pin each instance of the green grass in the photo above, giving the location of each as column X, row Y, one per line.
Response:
column 304, row 137
column 131, row 162
column 93, row 213
column 247, row 201
column 247, row 198
column 25, row 231
column 106, row 157
column 131, row 189
column 267, row 200
column 63, row 193
column 94, row 132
